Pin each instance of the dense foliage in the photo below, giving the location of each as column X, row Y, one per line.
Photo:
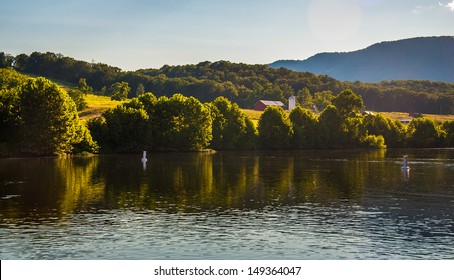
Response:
column 184, row 123
column 39, row 118
column 241, row 83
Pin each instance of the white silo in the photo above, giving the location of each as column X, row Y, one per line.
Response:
column 291, row 103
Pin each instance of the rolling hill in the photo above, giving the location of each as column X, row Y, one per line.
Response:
column 424, row 58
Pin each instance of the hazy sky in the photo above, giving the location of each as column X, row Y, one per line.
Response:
column 135, row 34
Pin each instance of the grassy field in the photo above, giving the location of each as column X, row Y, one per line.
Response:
column 96, row 105
column 255, row 116
column 401, row 116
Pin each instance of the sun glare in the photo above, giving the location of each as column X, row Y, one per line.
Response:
column 333, row 21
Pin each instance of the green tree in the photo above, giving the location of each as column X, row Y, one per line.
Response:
column 119, row 91
column 127, row 129
column 78, row 97
column 275, row 129
column 448, row 128
column 423, row 133
column 332, row 128
column 356, row 132
column 9, row 119
column 323, row 99
column 248, row 140
column 6, row 60
column 83, row 87
column 304, row 98
column 140, row 90
column 304, row 124
column 148, row 101
column 181, row 123
column 50, row 124
column 348, row 103
column 392, row 130
column 229, row 125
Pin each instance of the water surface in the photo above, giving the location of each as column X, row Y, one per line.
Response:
column 233, row 205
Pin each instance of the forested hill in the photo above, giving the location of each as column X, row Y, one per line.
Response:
column 426, row 58
column 243, row 84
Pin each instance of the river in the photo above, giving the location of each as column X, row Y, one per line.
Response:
column 319, row 205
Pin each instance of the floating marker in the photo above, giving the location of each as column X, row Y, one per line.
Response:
column 144, row 156
column 405, row 165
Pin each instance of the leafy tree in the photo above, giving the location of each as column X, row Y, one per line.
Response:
column 83, row 87
column 10, row 79
column 332, row 128
column 78, row 97
column 323, row 99
column 119, row 91
column 148, row 101
column 275, row 129
column 304, row 98
column 373, row 141
column 248, row 140
column 448, row 128
column 356, row 132
column 98, row 131
column 348, row 103
column 50, row 124
column 392, row 130
column 181, row 123
column 127, row 129
column 9, row 119
column 304, row 124
column 140, row 90
column 423, row 133
column 229, row 125
column 6, row 60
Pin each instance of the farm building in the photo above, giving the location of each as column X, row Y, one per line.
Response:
column 262, row 104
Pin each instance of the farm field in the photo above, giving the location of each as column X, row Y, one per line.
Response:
column 96, row 105
column 255, row 116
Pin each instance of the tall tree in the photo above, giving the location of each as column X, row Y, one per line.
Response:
column 181, row 123
column 275, row 130
column 304, row 98
column 448, row 128
column 304, row 124
column 348, row 103
column 322, row 99
column 229, row 125
column 84, row 87
column 424, row 133
column 332, row 128
column 140, row 90
column 50, row 124
column 127, row 129
column 119, row 91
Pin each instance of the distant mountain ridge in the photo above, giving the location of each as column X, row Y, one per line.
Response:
column 423, row 58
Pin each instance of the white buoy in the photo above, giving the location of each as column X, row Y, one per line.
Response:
column 405, row 165
column 144, row 156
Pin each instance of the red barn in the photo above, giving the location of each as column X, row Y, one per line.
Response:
column 262, row 104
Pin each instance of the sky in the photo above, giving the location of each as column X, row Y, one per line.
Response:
column 135, row 34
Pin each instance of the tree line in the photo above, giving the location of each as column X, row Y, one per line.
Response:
column 241, row 83
column 37, row 117
column 185, row 123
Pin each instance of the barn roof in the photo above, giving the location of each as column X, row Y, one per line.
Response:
column 271, row 103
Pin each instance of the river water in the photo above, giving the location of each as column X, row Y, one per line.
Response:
column 230, row 205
